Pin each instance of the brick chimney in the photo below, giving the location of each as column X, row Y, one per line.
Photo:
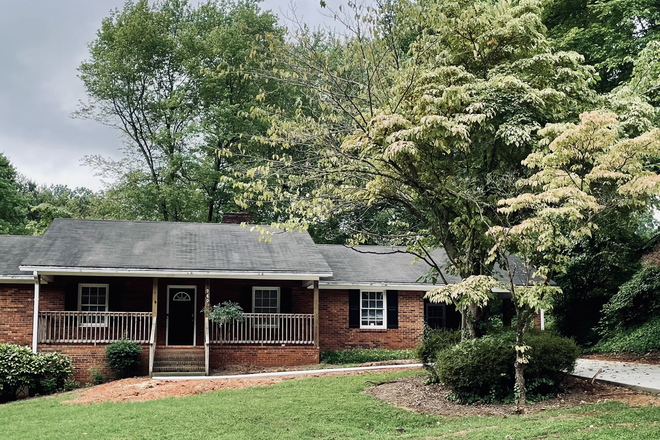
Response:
column 237, row 217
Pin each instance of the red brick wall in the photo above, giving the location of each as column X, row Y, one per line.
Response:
column 262, row 356
column 335, row 334
column 16, row 307
column 86, row 356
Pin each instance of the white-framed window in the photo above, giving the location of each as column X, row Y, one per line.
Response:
column 93, row 298
column 373, row 306
column 265, row 300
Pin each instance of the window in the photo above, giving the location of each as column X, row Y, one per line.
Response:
column 93, row 298
column 266, row 300
column 372, row 310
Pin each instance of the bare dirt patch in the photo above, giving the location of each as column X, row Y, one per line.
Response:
column 139, row 389
column 411, row 393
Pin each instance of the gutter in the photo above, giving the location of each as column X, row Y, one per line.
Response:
column 109, row 271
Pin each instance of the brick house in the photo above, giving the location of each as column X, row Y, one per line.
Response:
column 92, row 282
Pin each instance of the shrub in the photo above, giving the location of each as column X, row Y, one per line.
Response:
column 434, row 341
column 123, row 357
column 635, row 303
column 639, row 339
column 96, row 376
column 41, row 372
column 359, row 356
column 54, row 370
column 482, row 370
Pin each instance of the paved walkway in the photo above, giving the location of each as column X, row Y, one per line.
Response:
column 644, row 377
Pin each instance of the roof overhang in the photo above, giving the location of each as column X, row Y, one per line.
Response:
column 168, row 273
column 338, row 285
column 16, row 279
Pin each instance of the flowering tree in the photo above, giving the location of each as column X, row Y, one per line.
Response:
column 583, row 171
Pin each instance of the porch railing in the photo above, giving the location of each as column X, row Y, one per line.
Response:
column 265, row 328
column 100, row 327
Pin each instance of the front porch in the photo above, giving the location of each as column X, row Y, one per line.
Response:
column 178, row 322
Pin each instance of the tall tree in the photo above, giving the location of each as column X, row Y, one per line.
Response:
column 176, row 81
column 432, row 135
column 609, row 33
column 13, row 205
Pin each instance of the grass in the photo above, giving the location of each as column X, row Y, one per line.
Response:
column 319, row 408
column 360, row 356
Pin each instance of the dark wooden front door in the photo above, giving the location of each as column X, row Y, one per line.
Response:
column 181, row 315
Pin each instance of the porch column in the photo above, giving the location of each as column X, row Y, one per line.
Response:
column 154, row 325
column 35, row 313
column 207, row 306
column 316, row 313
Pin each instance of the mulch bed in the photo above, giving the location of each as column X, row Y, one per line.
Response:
column 411, row 393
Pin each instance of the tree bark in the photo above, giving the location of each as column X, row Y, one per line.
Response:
column 520, row 363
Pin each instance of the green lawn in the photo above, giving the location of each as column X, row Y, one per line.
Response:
column 305, row 408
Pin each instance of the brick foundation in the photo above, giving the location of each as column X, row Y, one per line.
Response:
column 262, row 356
column 86, row 356
column 336, row 335
column 16, row 307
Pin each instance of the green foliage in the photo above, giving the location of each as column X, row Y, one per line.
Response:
column 96, row 376
column 41, row 372
column 608, row 33
column 360, row 356
column 13, row 204
column 634, row 303
column 482, row 370
column 433, row 342
column 226, row 312
column 639, row 339
column 71, row 385
column 177, row 81
column 597, row 266
column 123, row 357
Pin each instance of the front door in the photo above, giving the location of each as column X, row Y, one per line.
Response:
column 181, row 306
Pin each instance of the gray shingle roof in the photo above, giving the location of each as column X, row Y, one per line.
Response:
column 13, row 248
column 377, row 264
column 173, row 246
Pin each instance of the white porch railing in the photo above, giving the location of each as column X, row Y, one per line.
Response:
column 99, row 327
column 265, row 328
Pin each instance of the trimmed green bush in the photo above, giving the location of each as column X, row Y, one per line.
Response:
column 481, row 370
column 360, row 356
column 43, row 373
column 434, row 341
column 123, row 357
column 55, row 371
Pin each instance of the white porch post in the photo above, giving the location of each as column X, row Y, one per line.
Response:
column 542, row 319
column 35, row 313
column 316, row 314
column 207, row 305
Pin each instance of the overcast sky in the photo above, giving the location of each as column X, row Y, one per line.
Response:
column 42, row 42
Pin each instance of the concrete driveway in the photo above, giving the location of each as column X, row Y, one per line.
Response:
column 644, row 377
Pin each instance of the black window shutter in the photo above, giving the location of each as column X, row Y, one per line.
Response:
column 392, row 309
column 286, row 305
column 246, row 299
column 114, row 300
column 71, row 297
column 353, row 309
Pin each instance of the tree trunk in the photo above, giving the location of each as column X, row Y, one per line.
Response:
column 521, row 363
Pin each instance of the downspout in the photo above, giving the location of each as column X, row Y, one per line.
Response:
column 35, row 313
column 542, row 319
